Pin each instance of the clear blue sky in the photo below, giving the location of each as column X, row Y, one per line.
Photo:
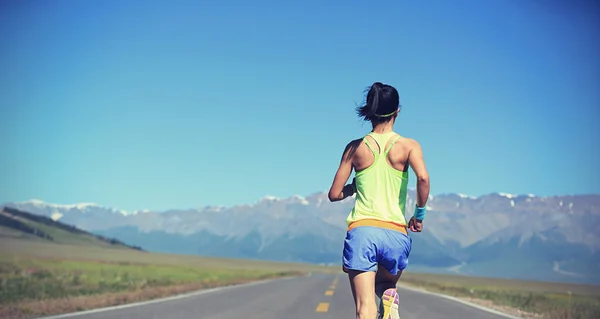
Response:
column 176, row 104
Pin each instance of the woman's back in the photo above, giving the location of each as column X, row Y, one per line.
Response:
column 397, row 157
column 381, row 165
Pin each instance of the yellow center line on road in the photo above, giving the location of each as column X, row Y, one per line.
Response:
column 322, row 307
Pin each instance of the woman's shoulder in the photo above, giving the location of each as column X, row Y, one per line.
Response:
column 352, row 146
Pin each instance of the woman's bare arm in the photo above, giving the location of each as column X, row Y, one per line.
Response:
column 338, row 191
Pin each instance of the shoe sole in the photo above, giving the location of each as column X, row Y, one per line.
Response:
column 390, row 302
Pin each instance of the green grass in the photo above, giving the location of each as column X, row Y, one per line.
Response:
column 499, row 283
column 65, row 237
column 40, row 278
column 548, row 300
column 26, row 278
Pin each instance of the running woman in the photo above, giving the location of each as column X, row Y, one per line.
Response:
column 377, row 244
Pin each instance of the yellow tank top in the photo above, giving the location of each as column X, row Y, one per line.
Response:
column 380, row 189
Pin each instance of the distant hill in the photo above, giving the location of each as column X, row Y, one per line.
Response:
column 17, row 224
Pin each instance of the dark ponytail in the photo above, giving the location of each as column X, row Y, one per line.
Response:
column 381, row 103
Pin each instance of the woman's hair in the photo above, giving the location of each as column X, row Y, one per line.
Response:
column 381, row 103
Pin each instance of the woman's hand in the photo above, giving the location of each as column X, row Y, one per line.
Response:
column 348, row 190
column 415, row 225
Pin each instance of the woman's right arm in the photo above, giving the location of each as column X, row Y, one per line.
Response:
column 339, row 190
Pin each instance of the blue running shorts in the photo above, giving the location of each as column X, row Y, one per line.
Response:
column 368, row 247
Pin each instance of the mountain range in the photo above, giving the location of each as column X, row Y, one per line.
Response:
column 547, row 238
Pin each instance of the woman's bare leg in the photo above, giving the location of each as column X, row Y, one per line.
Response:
column 363, row 288
column 384, row 280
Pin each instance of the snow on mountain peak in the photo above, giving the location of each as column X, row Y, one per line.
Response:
column 509, row 196
column 464, row 196
column 56, row 216
column 37, row 202
column 266, row 199
column 123, row 212
column 82, row 207
column 143, row 211
column 41, row 203
column 269, row 198
column 213, row 208
column 292, row 199
column 300, row 199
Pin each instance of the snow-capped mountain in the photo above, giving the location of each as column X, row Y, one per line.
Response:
column 549, row 238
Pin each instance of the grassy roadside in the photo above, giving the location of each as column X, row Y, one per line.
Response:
column 40, row 279
column 32, row 287
column 513, row 297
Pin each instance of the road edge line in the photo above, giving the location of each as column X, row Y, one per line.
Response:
column 490, row 310
column 170, row 298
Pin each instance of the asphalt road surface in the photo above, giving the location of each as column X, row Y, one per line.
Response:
column 315, row 296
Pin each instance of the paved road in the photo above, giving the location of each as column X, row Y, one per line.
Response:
column 317, row 296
